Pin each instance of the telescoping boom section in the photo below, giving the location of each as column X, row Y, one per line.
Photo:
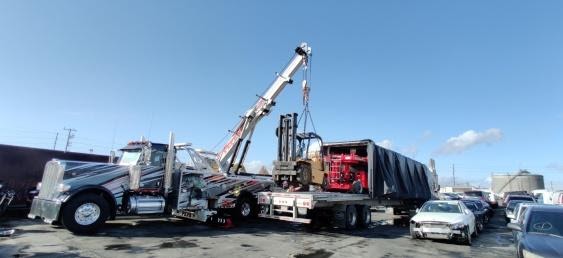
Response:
column 245, row 128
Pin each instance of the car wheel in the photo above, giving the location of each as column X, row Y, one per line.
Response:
column 468, row 238
column 413, row 233
column 480, row 227
column 85, row 213
column 475, row 231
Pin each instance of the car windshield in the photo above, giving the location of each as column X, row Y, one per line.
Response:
column 130, row 157
column 512, row 204
column 474, row 193
column 545, row 222
column 525, row 198
column 442, row 207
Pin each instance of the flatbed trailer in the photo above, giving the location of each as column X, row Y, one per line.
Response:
column 341, row 209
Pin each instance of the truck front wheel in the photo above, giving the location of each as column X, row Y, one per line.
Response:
column 245, row 208
column 85, row 213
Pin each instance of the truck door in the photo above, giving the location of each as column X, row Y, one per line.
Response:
column 191, row 184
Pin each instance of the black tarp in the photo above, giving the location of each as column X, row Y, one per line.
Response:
column 399, row 177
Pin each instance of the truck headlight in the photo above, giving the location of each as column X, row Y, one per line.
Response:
column 63, row 188
column 457, row 226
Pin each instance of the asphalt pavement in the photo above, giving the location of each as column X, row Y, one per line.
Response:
column 388, row 236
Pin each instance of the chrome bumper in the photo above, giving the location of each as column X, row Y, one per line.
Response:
column 47, row 210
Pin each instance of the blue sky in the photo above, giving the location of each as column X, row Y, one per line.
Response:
column 477, row 84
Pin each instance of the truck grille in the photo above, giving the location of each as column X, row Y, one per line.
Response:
column 52, row 177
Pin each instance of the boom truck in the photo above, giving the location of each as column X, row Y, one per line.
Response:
column 169, row 179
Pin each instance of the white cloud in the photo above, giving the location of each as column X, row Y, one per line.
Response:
column 387, row 144
column 468, row 139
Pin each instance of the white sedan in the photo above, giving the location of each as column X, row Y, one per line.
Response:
column 444, row 220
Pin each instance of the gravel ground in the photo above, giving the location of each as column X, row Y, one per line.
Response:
column 388, row 236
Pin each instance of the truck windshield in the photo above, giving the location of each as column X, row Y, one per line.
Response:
column 130, row 157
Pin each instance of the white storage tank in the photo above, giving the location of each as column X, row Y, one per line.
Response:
column 521, row 181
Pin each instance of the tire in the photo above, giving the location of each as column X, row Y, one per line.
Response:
column 475, row 231
column 351, row 217
column 304, row 174
column 413, row 234
column 324, row 185
column 480, row 227
column 85, row 213
column 364, row 216
column 468, row 239
column 245, row 208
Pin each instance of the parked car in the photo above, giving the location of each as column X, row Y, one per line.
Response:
column 482, row 205
column 450, row 220
column 519, row 212
column 480, row 215
column 510, row 208
column 557, row 198
column 511, row 197
column 543, row 196
column 541, row 233
column 479, row 194
column 449, row 196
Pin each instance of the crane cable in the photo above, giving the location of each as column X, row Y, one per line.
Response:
column 306, row 89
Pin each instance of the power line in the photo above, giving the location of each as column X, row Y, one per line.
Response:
column 69, row 136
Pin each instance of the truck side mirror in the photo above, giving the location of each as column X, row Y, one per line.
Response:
column 417, row 210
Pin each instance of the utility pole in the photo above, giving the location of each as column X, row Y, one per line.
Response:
column 453, row 172
column 69, row 136
column 55, row 144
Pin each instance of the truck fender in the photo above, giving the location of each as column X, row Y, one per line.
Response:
column 95, row 189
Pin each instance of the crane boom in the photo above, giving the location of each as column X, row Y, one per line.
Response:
column 227, row 156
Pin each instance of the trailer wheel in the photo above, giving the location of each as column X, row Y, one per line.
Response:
column 85, row 213
column 364, row 216
column 351, row 218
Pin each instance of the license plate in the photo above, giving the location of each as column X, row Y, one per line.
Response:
column 436, row 230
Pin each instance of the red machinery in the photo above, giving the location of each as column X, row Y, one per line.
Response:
column 346, row 173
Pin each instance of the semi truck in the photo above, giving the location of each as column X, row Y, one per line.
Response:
column 169, row 179
column 356, row 176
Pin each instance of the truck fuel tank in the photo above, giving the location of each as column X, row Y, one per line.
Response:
column 146, row 204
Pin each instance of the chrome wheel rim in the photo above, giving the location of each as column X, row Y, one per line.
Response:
column 87, row 213
column 245, row 209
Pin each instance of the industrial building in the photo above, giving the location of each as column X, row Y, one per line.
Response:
column 523, row 180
